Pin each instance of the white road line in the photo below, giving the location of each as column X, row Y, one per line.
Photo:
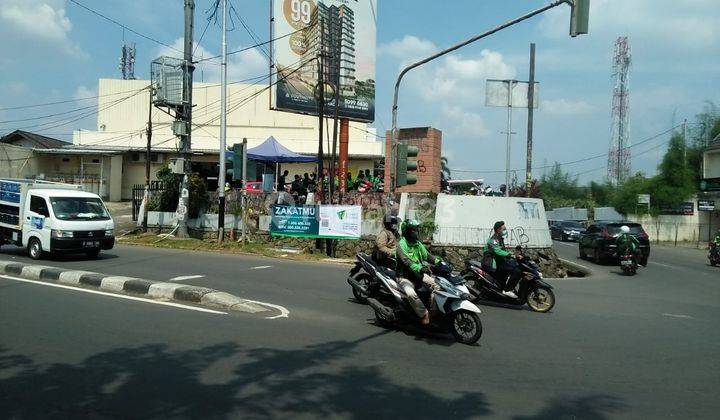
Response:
column 182, row 278
column 77, row 289
column 661, row 264
column 564, row 243
column 284, row 313
column 261, row 267
column 678, row 316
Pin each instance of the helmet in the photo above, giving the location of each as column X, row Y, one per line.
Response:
column 624, row 229
column 390, row 222
column 411, row 230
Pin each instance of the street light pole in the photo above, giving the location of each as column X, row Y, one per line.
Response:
column 394, row 132
column 511, row 86
column 223, row 127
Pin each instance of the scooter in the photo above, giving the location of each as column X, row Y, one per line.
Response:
column 714, row 254
column 628, row 264
column 455, row 313
column 532, row 289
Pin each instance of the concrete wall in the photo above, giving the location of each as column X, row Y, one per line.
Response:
column 17, row 162
column 468, row 220
column 429, row 142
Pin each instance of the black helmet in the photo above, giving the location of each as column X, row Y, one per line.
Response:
column 411, row 230
column 390, row 222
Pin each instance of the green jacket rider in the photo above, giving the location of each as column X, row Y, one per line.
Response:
column 411, row 254
column 626, row 242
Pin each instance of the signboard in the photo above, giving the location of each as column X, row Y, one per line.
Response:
column 350, row 40
column 683, row 209
column 710, row 184
column 496, row 93
column 643, row 199
column 706, row 205
column 334, row 222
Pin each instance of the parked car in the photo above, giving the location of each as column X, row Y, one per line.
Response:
column 567, row 230
column 598, row 241
column 254, row 187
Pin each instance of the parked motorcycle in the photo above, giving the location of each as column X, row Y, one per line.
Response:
column 455, row 313
column 628, row 264
column 714, row 254
column 532, row 289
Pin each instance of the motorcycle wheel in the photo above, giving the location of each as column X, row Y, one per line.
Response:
column 364, row 280
column 713, row 262
column 466, row 327
column 541, row 299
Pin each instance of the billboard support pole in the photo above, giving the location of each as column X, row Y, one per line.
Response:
column 394, row 129
column 531, row 110
column 320, row 97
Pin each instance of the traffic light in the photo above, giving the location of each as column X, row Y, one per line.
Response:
column 405, row 165
column 234, row 163
column 579, row 17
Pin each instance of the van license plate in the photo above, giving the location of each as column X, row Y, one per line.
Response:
column 91, row 244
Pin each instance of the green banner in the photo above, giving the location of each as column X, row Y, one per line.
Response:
column 334, row 222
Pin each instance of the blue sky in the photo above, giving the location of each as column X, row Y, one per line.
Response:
column 54, row 50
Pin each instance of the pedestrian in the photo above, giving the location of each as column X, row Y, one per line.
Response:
column 306, row 180
column 282, row 181
column 348, row 182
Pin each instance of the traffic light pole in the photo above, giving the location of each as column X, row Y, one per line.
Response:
column 223, row 127
column 394, row 132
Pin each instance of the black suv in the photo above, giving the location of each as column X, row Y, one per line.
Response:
column 567, row 230
column 598, row 241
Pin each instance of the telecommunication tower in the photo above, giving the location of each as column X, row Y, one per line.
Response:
column 127, row 62
column 618, row 167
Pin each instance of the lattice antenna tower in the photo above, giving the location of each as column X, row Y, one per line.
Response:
column 127, row 61
column 619, row 161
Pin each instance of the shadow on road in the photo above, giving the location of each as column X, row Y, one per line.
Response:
column 222, row 380
column 595, row 407
column 16, row 251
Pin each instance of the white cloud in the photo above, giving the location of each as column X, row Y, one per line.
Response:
column 40, row 21
column 460, row 123
column 83, row 92
column 409, row 48
column 247, row 64
column 565, row 106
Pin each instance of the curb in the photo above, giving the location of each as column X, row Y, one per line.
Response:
column 182, row 293
column 577, row 268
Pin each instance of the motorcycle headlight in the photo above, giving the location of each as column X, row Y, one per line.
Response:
column 109, row 232
column 61, row 233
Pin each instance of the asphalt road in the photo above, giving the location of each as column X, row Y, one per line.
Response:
column 613, row 347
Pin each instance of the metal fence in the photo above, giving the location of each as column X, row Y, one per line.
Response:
column 138, row 192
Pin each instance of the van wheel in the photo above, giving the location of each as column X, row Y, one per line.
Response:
column 35, row 249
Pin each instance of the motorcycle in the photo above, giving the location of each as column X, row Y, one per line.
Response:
column 714, row 254
column 455, row 313
column 532, row 289
column 628, row 264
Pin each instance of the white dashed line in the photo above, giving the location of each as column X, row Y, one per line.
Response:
column 661, row 264
column 183, row 278
column 137, row 299
column 261, row 267
column 678, row 316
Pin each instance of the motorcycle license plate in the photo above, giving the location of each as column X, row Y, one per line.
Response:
column 91, row 244
column 626, row 262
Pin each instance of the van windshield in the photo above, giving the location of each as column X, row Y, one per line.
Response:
column 79, row 208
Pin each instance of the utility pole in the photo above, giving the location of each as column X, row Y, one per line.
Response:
column 320, row 96
column 186, row 148
column 223, row 130
column 531, row 109
column 148, row 134
column 511, row 85
column 243, row 197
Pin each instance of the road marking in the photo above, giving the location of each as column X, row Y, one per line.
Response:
column 183, row 278
column 564, row 243
column 156, row 302
column 661, row 264
column 261, row 267
column 284, row 313
column 678, row 316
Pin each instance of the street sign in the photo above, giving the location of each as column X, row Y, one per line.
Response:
column 706, row 205
column 683, row 209
column 496, row 93
column 643, row 199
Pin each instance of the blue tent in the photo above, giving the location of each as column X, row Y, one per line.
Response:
column 272, row 151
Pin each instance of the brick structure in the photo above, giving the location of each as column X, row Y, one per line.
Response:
column 429, row 141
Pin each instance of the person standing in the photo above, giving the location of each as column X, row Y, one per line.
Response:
column 282, row 181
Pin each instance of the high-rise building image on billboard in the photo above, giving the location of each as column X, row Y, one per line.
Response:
column 327, row 33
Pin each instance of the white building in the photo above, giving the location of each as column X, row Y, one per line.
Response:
column 123, row 115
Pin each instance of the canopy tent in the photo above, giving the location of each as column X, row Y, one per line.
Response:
column 272, row 151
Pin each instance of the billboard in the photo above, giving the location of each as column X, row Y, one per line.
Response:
column 349, row 56
column 334, row 222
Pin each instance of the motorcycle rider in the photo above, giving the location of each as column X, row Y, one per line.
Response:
column 386, row 243
column 411, row 272
column 627, row 243
column 505, row 267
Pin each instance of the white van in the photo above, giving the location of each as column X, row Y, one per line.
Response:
column 54, row 218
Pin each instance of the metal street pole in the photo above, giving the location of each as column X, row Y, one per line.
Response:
column 148, row 133
column 394, row 132
column 223, row 126
column 511, row 85
column 531, row 109
column 243, row 201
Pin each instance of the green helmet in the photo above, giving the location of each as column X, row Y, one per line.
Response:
column 410, row 229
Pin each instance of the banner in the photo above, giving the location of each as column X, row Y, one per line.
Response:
column 333, row 222
column 349, row 66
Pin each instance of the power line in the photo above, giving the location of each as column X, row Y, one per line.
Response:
column 64, row 101
column 123, row 26
column 253, row 46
